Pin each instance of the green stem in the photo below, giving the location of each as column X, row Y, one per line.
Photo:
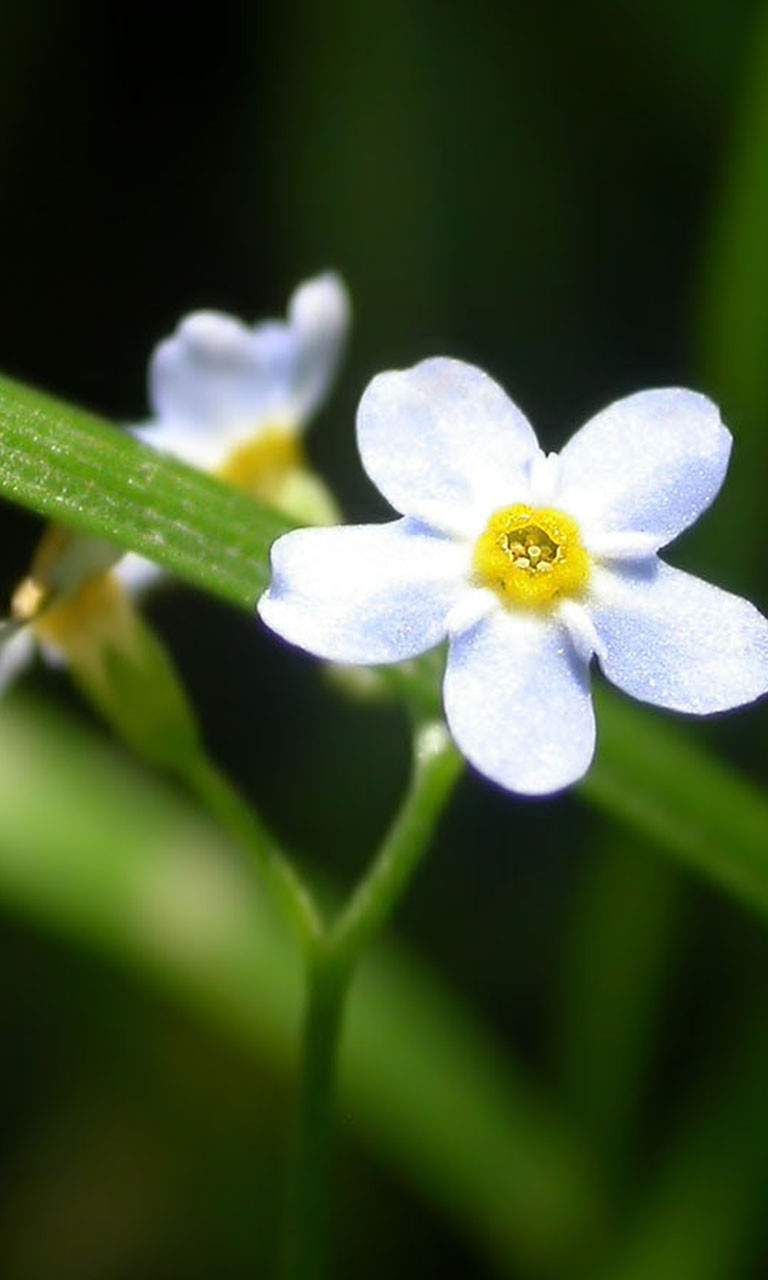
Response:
column 436, row 767
column 228, row 807
column 306, row 1222
column 331, row 964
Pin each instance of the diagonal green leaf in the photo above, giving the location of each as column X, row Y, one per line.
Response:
column 69, row 465
column 652, row 773
column 625, row 920
column 732, row 316
column 730, row 320
column 649, row 771
column 702, row 1214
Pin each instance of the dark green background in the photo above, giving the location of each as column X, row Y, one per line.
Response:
column 573, row 196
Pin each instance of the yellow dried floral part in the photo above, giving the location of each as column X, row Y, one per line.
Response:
column 261, row 465
column 80, row 625
column 531, row 557
column 63, row 559
column 27, row 599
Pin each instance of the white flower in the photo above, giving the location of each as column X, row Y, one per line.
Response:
column 218, row 384
column 234, row 400
column 528, row 565
column 227, row 398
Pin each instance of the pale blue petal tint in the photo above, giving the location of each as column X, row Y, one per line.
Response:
column 220, row 379
column 365, row 593
column 319, row 314
column 444, row 443
column 673, row 640
column 518, row 704
column 648, row 464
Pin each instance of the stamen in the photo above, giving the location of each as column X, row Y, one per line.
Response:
column 531, row 557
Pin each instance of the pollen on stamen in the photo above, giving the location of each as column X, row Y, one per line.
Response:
column 531, row 556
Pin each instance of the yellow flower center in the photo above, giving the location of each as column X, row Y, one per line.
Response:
column 531, row 556
column 261, row 465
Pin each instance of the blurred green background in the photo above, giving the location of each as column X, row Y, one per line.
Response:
column 575, row 196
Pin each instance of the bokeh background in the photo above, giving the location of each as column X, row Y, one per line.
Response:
column 575, row 196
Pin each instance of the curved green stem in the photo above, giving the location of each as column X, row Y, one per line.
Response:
column 226, row 804
column 436, row 767
column 331, row 963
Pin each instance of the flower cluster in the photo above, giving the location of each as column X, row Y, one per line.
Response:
column 529, row 565
column 225, row 397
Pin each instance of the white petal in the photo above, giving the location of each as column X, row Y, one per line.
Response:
column 17, row 649
column 207, row 449
column 206, row 375
column 676, row 641
column 365, row 593
column 319, row 313
column 544, row 482
column 138, row 575
column 223, row 380
column 578, row 623
column 473, row 604
column 648, row 464
column 443, row 442
column 518, row 704
column 622, row 546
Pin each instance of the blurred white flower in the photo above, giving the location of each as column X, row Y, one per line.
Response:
column 224, row 397
column 217, row 386
column 529, row 565
column 234, row 400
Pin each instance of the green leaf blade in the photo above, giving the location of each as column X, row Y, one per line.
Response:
column 71, row 466
column 651, row 773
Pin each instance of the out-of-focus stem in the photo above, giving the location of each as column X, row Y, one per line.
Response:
column 228, row 807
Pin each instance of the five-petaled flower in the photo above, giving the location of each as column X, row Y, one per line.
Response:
column 528, row 564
